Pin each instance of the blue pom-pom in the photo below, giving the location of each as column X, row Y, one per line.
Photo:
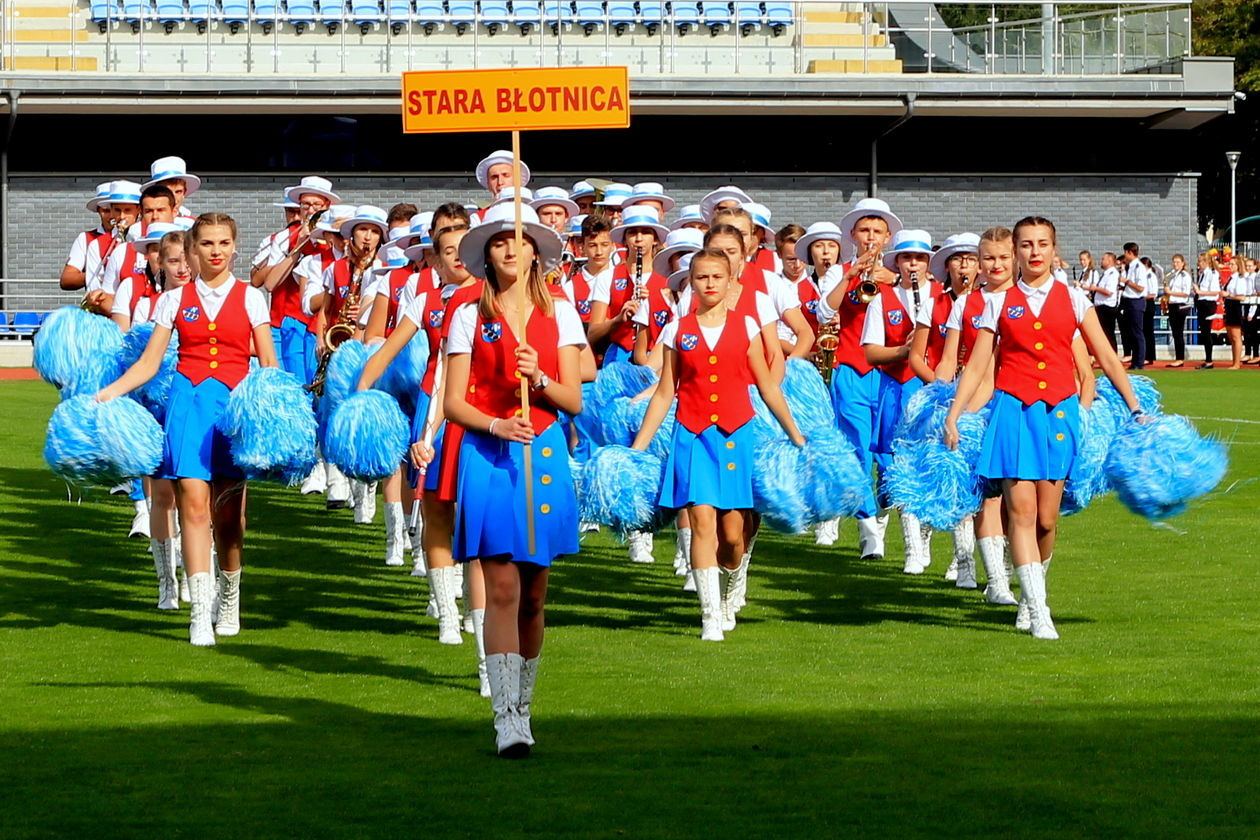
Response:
column 271, row 426
column 588, row 423
column 929, row 480
column 405, row 373
column 1088, row 478
column 619, row 379
column 835, row 482
column 1144, row 389
column 156, row 393
column 807, row 397
column 620, row 420
column 1157, row 467
column 925, row 411
column 765, row 426
column 663, row 441
column 367, row 436
column 102, row 443
column 620, row 489
column 779, row 486
column 75, row 350
column 344, row 369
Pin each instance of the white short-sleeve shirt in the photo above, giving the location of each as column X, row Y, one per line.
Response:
column 1036, row 301
column 464, row 326
column 86, row 258
column 669, row 335
column 122, row 303
column 1109, row 282
column 212, row 300
column 600, row 284
column 873, row 328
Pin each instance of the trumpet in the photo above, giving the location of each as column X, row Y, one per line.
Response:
column 117, row 237
column 868, row 289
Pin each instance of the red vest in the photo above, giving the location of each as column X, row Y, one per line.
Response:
column 494, row 386
column 764, row 258
column 807, row 294
column 286, row 297
column 941, row 308
column 581, row 296
column 142, row 288
column 103, row 242
column 133, row 265
column 217, row 349
column 1034, row 353
column 973, row 310
column 852, row 315
column 621, row 292
column 462, row 295
column 713, row 381
column 898, row 325
column 396, row 283
column 754, row 277
column 433, row 313
column 658, row 308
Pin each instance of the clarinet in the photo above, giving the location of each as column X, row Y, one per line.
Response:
column 914, row 287
column 638, row 279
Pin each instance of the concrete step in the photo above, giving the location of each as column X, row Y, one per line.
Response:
column 84, row 64
column 812, row 40
column 854, row 66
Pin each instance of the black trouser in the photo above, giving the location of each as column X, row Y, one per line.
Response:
column 1148, row 329
column 1251, row 330
column 1205, row 309
column 1177, row 326
column 1107, row 320
column 1132, row 330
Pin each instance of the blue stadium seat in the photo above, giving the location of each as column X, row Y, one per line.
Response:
column 779, row 16
column 622, row 15
column 103, row 12
column 136, row 10
column 331, row 13
column 171, row 13
column 653, row 15
column 495, row 14
column 748, row 16
column 399, row 14
column 430, row 14
column 301, row 14
column 528, row 14
column 202, row 13
column 235, row 13
column 590, row 16
column 365, row 13
column 25, row 323
column 686, row 16
column 463, row 14
column 557, row 13
column 717, row 16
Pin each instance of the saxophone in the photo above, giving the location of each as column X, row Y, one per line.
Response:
column 825, row 346
column 343, row 329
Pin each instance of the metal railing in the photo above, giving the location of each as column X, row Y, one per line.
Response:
column 704, row 39
column 25, row 302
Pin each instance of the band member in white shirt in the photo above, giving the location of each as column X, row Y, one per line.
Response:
column 1179, row 288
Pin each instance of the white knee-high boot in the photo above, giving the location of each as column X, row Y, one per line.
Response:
column 965, row 554
column 709, row 589
column 871, row 531
column 163, row 566
column 442, row 585
column 997, row 590
column 200, row 626
column 1023, row 618
column 227, row 621
column 529, row 676
column 1032, row 582
column 912, row 535
column 504, row 673
column 682, row 551
column 479, row 639
column 395, row 534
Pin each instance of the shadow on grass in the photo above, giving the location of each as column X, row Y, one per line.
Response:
column 307, row 767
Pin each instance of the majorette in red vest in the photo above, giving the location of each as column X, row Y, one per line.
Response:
column 1034, row 359
column 286, row 297
column 215, row 348
column 493, row 384
column 713, row 381
column 395, row 284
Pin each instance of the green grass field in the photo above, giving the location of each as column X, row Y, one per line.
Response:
column 852, row 701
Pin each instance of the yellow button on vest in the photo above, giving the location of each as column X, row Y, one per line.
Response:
column 213, row 365
column 713, row 397
column 730, row 444
column 713, row 377
column 713, row 418
column 212, row 326
column 214, row 340
column 517, row 374
column 546, row 479
column 1036, row 325
column 1041, row 385
column 214, row 351
column 1059, row 436
column 730, row 466
column 713, row 360
column 546, row 451
column 544, row 508
column 1041, row 365
column 1039, row 346
column 472, row 389
column 517, row 392
column 517, row 413
column 1059, row 414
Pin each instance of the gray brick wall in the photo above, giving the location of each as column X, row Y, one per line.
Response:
column 1091, row 212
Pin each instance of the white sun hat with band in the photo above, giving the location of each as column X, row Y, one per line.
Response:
column 875, row 207
column 314, row 185
column 494, row 159
column 709, row 203
column 688, row 215
column 639, row 216
column 908, row 242
column 331, row 219
column 650, row 191
column 153, row 234
column 365, row 214
column 818, row 231
column 679, row 278
column 761, row 218
column 615, row 195
column 500, row 219
column 554, row 196
column 101, row 199
column 507, row 195
column 172, row 169
column 959, row 243
column 681, row 241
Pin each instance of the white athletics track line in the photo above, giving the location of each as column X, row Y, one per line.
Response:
column 1227, row 420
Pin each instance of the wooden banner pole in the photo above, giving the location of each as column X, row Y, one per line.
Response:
column 522, row 325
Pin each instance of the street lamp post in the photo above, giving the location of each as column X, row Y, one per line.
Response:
column 1233, row 157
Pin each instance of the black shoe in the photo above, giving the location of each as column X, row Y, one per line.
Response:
column 1205, row 366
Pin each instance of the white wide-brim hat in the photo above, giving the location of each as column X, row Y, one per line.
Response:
column 554, row 195
column 865, row 207
column 172, row 169
column 101, row 197
column 730, row 192
column 419, row 231
column 330, row 221
column 153, row 234
column 650, row 191
column 316, row 186
column 690, row 213
column 681, row 241
column 366, row 214
column 818, row 231
column 679, row 278
column 502, row 218
column 575, row 226
column 615, row 195
column 493, row 159
column 959, row 243
column 123, row 192
column 908, row 242
column 761, row 218
column 507, row 195
column 638, row 217
column 389, row 265
column 287, row 204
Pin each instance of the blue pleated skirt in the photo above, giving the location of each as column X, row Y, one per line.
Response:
column 490, row 506
column 617, row 353
column 711, row 468
column 893, row 396
column 1031, row 443
column 194, row 447
column 417, row 431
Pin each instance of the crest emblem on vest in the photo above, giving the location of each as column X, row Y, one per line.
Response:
column 895, row 316
column 584, row 307
column 975, row 321
column 1014, row 312
column 435, row 318
column 619, row 283
column 942, row 329
column 812, row 306
column 342, row 290
column 853, row 297
column 689, row 341
column 661, row 317
column 191, row 313
column 398, row 293
column 491, row 332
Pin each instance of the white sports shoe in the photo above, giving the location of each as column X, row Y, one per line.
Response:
column 395, row 534
column 317, row 481
column 640, row 544
column 827, row 532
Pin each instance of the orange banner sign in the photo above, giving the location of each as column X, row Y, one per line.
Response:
column 505, row 100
